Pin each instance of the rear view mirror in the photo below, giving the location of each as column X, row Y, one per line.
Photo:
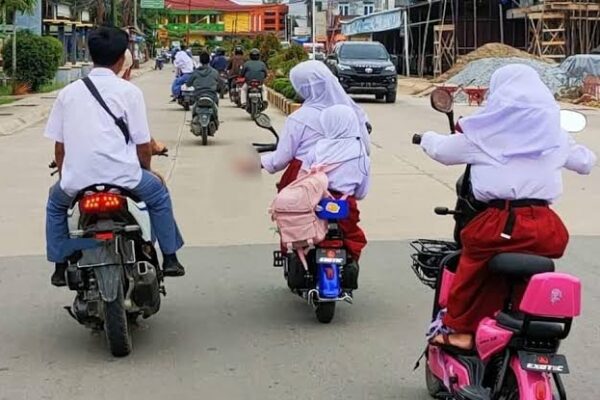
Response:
column 572, row 121
column 263, row 121
column 442, row 101
column 394, row 60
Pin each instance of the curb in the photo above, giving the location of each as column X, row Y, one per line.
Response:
column 281, row 102
column 18, row 123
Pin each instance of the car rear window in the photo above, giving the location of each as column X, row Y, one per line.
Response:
column 363, row 52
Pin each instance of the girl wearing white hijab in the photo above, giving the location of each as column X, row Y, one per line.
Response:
column 342, row 146
column 517, row 150
column 320, row 89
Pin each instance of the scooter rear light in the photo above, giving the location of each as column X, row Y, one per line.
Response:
column 104, row 236
column 101, row 203
column 329, row 273
column 540, row 390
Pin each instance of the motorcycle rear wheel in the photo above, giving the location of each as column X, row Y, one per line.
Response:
column 510, row 389
column 325, row 312
column 116, row 326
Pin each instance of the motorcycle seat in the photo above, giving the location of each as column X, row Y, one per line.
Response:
column 205, row 102
column 514, row 321
column 519, row 265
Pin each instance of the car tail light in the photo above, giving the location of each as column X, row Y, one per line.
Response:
column 101, row 203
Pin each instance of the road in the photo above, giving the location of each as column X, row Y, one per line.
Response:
column 230, row 329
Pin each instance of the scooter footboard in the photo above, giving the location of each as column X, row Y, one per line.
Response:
column 532, row 385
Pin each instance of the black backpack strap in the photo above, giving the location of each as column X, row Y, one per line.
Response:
column 120, row 122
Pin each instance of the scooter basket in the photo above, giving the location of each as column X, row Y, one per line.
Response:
column 428, row 259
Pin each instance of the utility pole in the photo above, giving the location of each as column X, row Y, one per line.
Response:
column 187, row 40
column 314, row 28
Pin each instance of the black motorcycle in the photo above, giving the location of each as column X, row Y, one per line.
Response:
column 205, row 120
column 255, row 104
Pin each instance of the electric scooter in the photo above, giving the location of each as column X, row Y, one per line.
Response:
column 515, row 356
column 321, row 283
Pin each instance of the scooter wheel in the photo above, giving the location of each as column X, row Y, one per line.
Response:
column 434, row 385
column 325, row 312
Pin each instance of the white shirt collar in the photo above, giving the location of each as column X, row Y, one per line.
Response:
column 101, row 71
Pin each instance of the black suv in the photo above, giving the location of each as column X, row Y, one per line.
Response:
column 365, row 68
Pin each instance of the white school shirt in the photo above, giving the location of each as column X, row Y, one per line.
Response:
column 184, row 62
column 521, row 177
column 95, row 148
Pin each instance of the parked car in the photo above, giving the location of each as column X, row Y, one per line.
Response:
column 365, row 68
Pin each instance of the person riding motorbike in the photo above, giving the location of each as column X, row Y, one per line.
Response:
column 303, row 129
column 235, row 65
column 219, row 62
column 517, row 149
column 206, row 82
column 253, row 70
column 343, row 149
column 185, row 66
column 102, row 153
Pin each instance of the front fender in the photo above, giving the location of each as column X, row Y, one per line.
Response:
column 109, row 280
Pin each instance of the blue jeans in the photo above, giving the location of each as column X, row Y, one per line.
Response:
column 150, row 190
column 177, row 83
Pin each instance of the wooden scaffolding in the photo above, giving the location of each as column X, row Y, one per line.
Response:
column 558, row 28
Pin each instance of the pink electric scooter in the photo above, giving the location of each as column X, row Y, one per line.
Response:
column 515, row 355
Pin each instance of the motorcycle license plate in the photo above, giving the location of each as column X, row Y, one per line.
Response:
column 110, row 252
column 551, row 363
column 331, row 256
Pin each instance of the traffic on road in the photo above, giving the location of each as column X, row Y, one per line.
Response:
column 167, row 261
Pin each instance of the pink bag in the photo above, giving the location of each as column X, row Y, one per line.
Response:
column 293, row 210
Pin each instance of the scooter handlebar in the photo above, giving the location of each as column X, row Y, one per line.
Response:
column 416, row 139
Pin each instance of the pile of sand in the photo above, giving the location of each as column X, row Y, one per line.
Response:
column 490, row 50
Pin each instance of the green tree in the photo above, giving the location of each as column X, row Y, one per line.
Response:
column 15, row 7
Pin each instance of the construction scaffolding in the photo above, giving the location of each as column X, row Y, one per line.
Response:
column 559, row 28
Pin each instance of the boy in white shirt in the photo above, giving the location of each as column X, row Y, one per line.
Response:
column 91, row 149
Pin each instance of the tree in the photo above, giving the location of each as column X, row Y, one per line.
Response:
column 16, row 6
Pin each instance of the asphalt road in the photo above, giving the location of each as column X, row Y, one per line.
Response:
column 230, row 329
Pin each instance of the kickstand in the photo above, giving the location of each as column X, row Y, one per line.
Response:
column 68, row 308
column 418, row 363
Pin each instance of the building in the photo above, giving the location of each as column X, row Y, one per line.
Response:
column 202, row 21
column 339, row 11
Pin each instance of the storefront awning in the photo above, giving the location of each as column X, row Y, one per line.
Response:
column 377, row 22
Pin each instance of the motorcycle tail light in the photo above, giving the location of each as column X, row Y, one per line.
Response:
column 104, row 236
column 540, row 391
column 101, row 203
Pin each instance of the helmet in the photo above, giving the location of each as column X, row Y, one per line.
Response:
column 220, row 51
column 254, row 54
column 238, row 50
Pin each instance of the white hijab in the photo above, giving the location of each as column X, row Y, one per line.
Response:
column 342, row 136
column 521, row 117
column 320, row 89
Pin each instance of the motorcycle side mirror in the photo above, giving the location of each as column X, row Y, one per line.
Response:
column 572, row 121
column 263, row 121
column 442, row 101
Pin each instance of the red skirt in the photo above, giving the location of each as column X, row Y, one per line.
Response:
column 476, row 293
column 355, row 239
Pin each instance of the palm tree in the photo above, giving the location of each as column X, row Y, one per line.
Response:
column 15, row 7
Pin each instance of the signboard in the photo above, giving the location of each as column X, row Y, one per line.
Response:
column 301, row 31
column 378, row 22
column 155, row 4
column 321, row 24
column 63, row 11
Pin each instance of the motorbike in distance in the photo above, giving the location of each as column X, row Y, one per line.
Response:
column 235, row 91
column 187, row 97
column 205, row 121
column 120, row 279
column 515, row 355
column 320, row 283
column 223, row 87
column 255, row 103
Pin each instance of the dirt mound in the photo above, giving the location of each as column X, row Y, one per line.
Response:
column 490, row 50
